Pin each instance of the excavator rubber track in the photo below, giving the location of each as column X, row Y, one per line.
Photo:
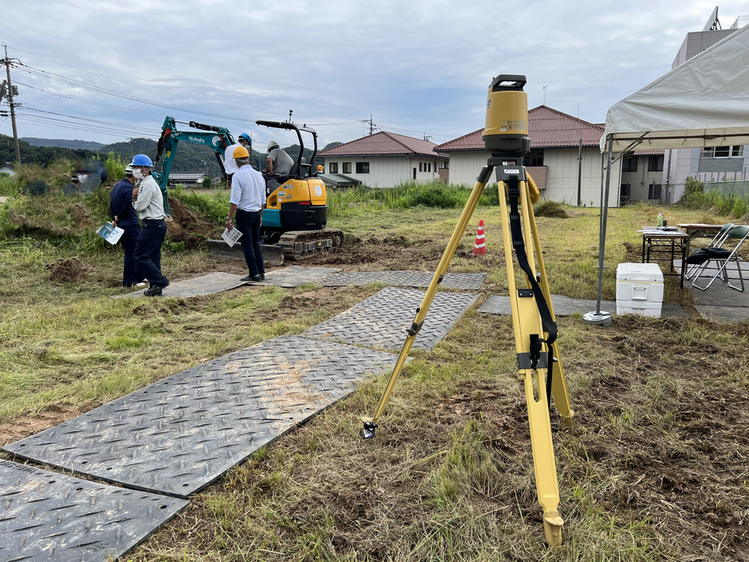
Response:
column 301, row 244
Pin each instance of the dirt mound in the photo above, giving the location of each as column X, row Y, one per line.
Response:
column 70, row 270
column 189, row 220
column 177, row 233
column 550, row 209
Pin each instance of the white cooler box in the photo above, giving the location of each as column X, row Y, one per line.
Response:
column 639, row 289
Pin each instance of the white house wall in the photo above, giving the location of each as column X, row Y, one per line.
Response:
column 561, row 182
column 465, row 167
column 388, row 171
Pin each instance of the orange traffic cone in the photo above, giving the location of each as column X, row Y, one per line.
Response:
column 480, row 246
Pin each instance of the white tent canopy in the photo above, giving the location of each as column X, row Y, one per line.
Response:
column 702, row 102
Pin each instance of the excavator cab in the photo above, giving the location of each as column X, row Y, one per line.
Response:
column 296, row 207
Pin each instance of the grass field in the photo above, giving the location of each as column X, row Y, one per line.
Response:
column 655, row 468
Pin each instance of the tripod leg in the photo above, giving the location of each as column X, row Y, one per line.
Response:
column 558, row 383
column 371, row 424
column 526, row 321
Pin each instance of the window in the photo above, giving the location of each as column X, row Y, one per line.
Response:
column 429, row 166
column 333, row 167
column 722, row 151
column 414, row 173
column 347, row 167
column 536, row 158
column 420, row 167
column 654, row 191
column 629, row 164
column 362, row 167
column 655, row 164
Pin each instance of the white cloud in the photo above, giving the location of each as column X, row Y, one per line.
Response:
column 419, row 67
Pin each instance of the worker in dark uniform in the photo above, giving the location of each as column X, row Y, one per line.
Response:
column 124, row 216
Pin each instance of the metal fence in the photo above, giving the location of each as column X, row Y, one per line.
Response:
column 727, row 184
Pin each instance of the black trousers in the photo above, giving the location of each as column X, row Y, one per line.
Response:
column 129, row 240
column 248, row 223
column 148, row 251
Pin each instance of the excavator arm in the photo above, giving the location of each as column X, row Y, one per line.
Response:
column 217, row 138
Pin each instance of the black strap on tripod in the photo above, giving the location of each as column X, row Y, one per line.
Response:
column 550, row 327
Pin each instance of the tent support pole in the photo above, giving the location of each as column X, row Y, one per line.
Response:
column 599, row 317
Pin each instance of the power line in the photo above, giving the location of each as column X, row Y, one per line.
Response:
column 103, row 105
column 107, row 123
column 72, row 82
column 73, row 125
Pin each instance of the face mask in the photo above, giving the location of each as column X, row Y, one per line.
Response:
column 138, row 174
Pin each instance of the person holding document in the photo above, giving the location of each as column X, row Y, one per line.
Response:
column 246, row 202
column 124, row 216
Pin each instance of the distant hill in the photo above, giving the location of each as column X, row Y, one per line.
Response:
column 63, row 143
column 39, row 154
column 188, row 158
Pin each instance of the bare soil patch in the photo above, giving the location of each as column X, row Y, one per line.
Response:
column 20, row 428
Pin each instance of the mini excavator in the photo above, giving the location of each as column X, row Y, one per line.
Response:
column 295, row 213
column 537, row 352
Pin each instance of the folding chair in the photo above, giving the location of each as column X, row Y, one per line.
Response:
column 701, row 255
column 722, row 258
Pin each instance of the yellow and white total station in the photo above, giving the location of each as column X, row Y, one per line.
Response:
column 539, row 363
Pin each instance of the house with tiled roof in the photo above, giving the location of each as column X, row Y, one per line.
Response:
column 385, row 160
column 553, row 161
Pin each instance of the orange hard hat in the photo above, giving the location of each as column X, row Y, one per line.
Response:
column 240, row 152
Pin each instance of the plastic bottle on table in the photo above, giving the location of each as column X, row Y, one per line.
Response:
column 659, row 220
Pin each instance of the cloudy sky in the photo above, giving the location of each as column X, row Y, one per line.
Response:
column 108, row 71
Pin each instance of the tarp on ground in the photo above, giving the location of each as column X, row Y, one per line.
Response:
column 702, row 102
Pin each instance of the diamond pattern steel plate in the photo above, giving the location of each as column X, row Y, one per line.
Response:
column 382, row 319
column 50, row 517
column 465, row 281
column 295, row 275
column 183, row 432
column 203, row 285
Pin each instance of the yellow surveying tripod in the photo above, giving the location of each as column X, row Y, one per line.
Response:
column 506, row 139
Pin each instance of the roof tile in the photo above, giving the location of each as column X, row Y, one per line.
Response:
column 547, row 127
column 382, row 144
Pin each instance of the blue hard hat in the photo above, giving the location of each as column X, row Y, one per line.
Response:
column 141, row 160
column 246, row 137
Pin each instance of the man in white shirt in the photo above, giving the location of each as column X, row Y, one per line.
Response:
column 149, row 203
column 246, row 202
column 230, row 166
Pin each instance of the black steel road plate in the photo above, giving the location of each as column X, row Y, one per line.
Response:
column 382, row 319
column 47, row 517
column 210, row 283
column 465, row 281
column 183, row 432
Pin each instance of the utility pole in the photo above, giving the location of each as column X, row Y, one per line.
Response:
column 132, row 151
column 579, row 172
column 12, row 105
column 371, row 124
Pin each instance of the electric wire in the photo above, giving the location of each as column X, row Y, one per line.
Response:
column 59, row 123
column 107, row 123
column 72, row 82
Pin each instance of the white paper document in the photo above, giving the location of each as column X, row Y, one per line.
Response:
column 110, row 233
column 231, row 236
